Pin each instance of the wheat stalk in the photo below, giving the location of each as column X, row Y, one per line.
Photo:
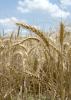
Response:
column 61, row 33
column 40, row 34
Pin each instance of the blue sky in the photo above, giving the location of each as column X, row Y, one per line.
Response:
column 45, row 14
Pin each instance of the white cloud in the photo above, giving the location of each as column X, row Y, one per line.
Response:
column 45, row 5
column 8, row 24
column 8, row 21
column 66, row 2
column 21, row 9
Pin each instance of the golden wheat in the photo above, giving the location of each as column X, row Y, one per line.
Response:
column 33, row 67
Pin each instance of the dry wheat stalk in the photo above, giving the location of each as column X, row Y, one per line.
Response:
column 61, row 33
column 40, row 34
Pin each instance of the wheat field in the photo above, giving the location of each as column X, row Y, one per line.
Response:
column 35, row 68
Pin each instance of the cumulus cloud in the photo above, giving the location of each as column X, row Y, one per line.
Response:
column 8, row 20
column 8, row 24
column 45, row 5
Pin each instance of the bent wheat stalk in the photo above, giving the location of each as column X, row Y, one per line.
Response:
column 39, row 33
